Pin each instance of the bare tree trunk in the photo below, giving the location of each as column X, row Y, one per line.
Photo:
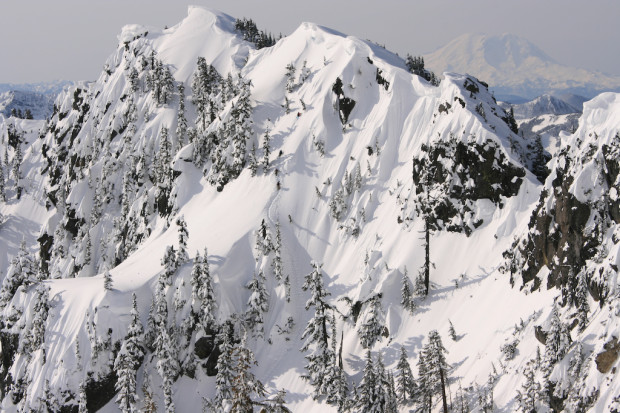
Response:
column 443, row 391
column 427, row 254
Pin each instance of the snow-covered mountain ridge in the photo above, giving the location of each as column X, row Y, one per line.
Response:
column 545, row 117
column 315, row 166
column 542, row 105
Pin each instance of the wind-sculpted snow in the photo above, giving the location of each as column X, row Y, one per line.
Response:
column 266, row 204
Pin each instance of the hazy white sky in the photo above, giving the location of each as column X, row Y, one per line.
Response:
column 45, row 40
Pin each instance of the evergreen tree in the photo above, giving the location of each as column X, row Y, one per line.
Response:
column 78, row 355
column 304, row 72
column 405, row 384
column 245, row 384
column 161, row 82
column 278, row 271
column 16, row 171
column 167, row 365
column 372, row 326
column 558, row 340
column 241, row 114
column 335, row 380
column 391, row 404
column 82, row 399
column 287, row 288
column 382, row 393
column 107, row 280
column 263, row 239
column 169, row 262
column 205, row 84
column 266, row 150
column 581, row 301
column 425, row 384
column 426, row 268
column 49, row 402
column 452, row 332
column 208, row 308
column 290, row 77
column 152, row 322
column 253, row 161
column 258, row 303
column 225, row 368
column 527, row 397
column 368, row 387
column 511, row 122
column 88, row 249
column 406, row 299
column 181, row 131
column 539, row 161
column 277, row 405
column 128, row 361
column 575, row 402
column 95, row 213
column 316, row 332
column 203, row 291
column 134, row 80
column 436, row 367
column 20, row 272
column 2, row 183
column 460, row 404
column 337, row 204
column 163, row 174
column 40, row 311
column 182, row 255
column 149, row 405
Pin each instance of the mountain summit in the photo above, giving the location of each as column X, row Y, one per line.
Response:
column 229, row 223
column 514, row 66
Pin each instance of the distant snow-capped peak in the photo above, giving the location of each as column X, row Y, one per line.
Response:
column 513, row 65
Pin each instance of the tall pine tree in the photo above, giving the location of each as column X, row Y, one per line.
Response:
column 128, row 361
column 405, row 383
column 316, row 332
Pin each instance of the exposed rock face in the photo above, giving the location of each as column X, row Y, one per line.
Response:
column 557, row 237
column 541, row 335
column 606, row 359
column 8, row 348
column 458, row 174
column 567, row 228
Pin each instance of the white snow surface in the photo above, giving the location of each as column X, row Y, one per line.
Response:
column 483, row 307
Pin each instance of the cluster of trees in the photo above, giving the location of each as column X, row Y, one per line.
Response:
column 415, row 64
column 159, row 81
column 11, row 168
column 379, row 390
column 223, row 124
column 17, row 113
column 352, row 182
column 542, row 386
column 250, row 32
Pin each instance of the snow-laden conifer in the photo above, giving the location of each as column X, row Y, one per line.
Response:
column 315, row 335
column 128, row 361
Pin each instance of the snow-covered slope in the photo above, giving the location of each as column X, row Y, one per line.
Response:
column 318, row 155
column 572, row 244
column 514, row 66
